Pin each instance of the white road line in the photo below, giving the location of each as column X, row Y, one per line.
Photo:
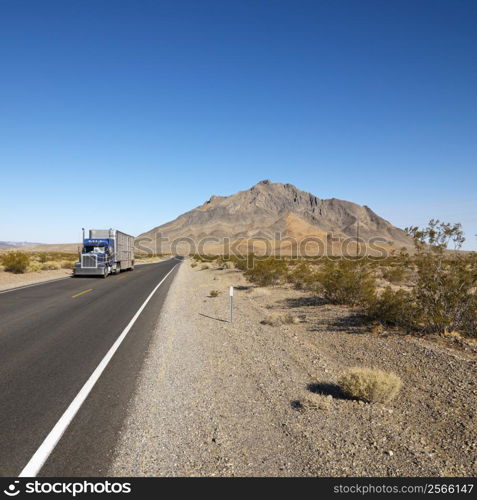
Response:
column 41, row 455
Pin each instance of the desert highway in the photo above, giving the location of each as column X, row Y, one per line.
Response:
column 53, row 337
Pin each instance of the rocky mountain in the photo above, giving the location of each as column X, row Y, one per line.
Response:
column 271, row 216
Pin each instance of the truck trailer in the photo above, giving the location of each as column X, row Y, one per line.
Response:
column 106, row 251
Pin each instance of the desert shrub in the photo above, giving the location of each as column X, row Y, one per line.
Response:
column 50, row 265
column 445, row 289
column 193, row 264
column 394, row 274
column 290, row 319
column 34, row 266
column 370, row 384
column 303, row 277
column 67, row 264
column 243, row 263
column 43, row 257
column 228, row 264
column 214, row 293
column 266, row 272
column 393, row 308
column 347, row 282
column 15, row 261
column 205, row 266
column 205, row 258
column 280, row 319
column 444, row 293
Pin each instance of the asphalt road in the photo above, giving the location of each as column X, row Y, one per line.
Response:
column 52, row 338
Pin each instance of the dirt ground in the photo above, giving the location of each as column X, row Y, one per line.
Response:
column 250, row 399
column 10, row 280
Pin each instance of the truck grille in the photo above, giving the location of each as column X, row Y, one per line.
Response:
column 89, row 261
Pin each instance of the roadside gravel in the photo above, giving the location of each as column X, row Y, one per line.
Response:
column 248, row 399
column 10, row 280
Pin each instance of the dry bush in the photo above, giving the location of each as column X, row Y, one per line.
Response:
column 34, row 267
column 67, row 264
column 228, row 265
column 370, row 384
column 445, row 289
column 15, row 261
column 267, row 272
column 243, row 263
column 347, row 282
column 214, row 293
column 203, row 267
column 444, row 293
column 394, row 274
column 280, row 319
column 193, row 264
column 395, row 308
column 50, row 266
column 44, row 257
column 303, row 277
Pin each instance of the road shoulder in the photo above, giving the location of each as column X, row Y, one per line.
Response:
column 221, row 399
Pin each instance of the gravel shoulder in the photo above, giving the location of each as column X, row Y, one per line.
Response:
column 248, row 399
column 10, row 280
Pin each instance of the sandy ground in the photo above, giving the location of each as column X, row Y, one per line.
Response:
column 10, row 280
column 247, row 399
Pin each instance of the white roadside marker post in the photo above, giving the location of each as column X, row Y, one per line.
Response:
column 231, row 293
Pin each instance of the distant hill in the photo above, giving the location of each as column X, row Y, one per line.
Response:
column 15, row 244
column 42, row 247
column 259, row 214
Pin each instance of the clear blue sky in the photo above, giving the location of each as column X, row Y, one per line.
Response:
column 128, row 113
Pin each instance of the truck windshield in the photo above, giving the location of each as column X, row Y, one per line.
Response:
column 90, row 249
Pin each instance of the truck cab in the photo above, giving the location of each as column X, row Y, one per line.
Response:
column 105, row 252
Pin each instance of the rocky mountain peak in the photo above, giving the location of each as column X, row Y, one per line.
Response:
column 271, row 208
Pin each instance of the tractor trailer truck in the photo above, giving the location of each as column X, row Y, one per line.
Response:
column 106, row 251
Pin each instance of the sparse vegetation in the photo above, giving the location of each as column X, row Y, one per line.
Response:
column 22, row 262
column 347, row 282
column 430, row 291
column 303, row 277
column 34, row 267
column 395, row 274
column 51, row 266
column 268, row 271
column 214, row 293
column 370, row 385
column 280, row 319
column 396, row 308
column 15, row 261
